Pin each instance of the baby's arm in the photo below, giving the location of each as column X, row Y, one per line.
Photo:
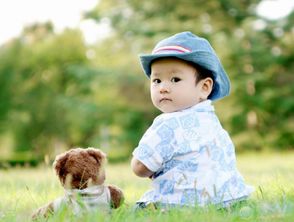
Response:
column 140, row 169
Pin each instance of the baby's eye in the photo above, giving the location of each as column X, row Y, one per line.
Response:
column 175, row 79
column 156, row 81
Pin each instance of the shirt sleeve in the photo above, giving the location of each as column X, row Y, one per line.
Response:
column 156, row 146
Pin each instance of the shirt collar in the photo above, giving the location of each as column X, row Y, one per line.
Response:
column 204, row 106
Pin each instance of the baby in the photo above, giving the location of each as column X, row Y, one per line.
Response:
column 186, row 152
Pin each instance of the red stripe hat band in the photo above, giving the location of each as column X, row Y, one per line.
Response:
column 171, row 48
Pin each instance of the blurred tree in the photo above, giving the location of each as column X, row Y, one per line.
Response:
column 46, row 94
column 55, row 91
column 265, row 87
column 257, row 54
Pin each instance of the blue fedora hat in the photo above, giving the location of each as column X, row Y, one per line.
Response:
column 189, row 47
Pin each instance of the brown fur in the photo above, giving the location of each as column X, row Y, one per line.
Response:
column 117, row 197
column 44, row 211
column 78, row 169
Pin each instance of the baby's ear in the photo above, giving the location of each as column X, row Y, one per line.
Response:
column 97, row 154
column 59, row 165
column 207, row 86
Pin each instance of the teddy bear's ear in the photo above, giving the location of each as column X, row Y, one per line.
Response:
column 59, row 164
column 97, row 154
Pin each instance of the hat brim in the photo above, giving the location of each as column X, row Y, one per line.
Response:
column 205, row 59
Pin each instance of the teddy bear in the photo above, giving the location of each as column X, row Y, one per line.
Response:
column 81, row 172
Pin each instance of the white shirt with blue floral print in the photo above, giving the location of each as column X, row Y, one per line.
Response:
column 193, row 159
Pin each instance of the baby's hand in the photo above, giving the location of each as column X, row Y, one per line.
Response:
column 151, row 177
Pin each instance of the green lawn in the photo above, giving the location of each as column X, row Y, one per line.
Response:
column 23, row 190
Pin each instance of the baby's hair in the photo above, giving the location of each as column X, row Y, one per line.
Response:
column 201, row 73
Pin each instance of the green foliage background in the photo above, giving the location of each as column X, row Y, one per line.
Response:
column 57, row 92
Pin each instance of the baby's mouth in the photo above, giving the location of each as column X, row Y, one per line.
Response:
column 164, row 100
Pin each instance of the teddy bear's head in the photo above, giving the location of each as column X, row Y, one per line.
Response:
column 80, row 168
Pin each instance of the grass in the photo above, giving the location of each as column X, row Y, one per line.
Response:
column 22, row 190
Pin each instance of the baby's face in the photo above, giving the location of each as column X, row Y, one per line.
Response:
column 173, row 85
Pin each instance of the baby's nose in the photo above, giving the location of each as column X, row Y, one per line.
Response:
column 164, row 88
